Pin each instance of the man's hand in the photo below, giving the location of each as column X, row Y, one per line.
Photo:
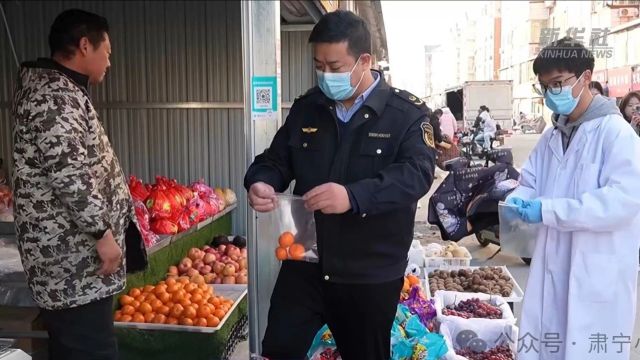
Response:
column 110, row 254
column 262, row 197
column 329, row 198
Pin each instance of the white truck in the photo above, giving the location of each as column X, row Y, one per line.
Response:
column 465, row 100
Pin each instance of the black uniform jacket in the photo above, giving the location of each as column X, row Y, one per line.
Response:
column 384, row 156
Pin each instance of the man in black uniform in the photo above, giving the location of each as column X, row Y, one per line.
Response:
column 362, row 155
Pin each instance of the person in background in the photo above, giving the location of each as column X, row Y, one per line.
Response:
column 362, row 154
column 605, row 90
column 596, row 88
column 483, row 139
column 580, row 184
column 72, row 204
column 448, row 123
column 630, row 109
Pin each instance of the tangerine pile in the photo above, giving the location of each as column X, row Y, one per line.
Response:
column 174, row 302
column 288, row 249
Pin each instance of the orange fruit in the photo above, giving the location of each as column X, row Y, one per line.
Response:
column 186, row 321
column 145, row 308
column 172, row 288
column 156, row 304
column 171, row 321
column 219, row 313
column 212, row 321
column 138, row 318
column 126, row 300
column 286, row 239
column 185, row 302
column 178, row 296
column 164, row 298
column 135, row 292
column 197, row 298
column 159, row 319
column 128, row 310
column 163, row 310
column 169, row 304
column 204, row 311
column 176, row 311
column 189, row 312
column 141, row 298
column 189, row 287
column 170, row 282
column 148, row 288
column 126, row 318
column 117, row 315
column 135, row 304
column 148, row 318
column 150, row 297
column 160, row 289
column 281, row 254
column 214, row 301
column 183, row 280
column 200, row 322
column 205, row 287
column 413, row 280
column 296, row 251
column 187, row 296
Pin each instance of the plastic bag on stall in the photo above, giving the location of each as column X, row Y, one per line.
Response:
column 420, row 306
column 295, row 230
column 517, row 237
column 202, row 189
column 143, row 218
column 159, row 204
column 182, row 220
column 323, row 346
column 164, row 227
column 410, row 339
column 478, row 337
column 138, row 190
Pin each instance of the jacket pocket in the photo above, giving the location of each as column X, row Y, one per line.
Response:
column 586, row 179
column 375, row 155
column 593, row 271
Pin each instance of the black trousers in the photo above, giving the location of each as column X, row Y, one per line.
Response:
column 82, row 333
column 359, row 316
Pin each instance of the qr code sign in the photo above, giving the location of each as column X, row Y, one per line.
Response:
column 263, row 98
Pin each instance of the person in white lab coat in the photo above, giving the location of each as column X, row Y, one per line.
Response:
column 580, row 183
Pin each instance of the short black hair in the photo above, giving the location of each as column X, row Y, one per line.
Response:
column 72, row 25
column 342, row 25
column 437, row 112
column 484, row 108
column 565, row 54
column 596, row 85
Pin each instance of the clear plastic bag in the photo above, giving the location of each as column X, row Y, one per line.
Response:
column 516, row 236
column 296, row 230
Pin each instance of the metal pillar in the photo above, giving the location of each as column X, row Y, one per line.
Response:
column 261, row 58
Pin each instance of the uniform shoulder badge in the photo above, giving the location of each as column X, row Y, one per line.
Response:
column 405, row 95
column 427, row 134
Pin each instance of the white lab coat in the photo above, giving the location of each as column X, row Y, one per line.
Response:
column 489, row 125
column 583, row 274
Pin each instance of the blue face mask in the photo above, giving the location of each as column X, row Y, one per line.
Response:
column 337, row 86
column 563, row 103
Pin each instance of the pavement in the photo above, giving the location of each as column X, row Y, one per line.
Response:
column 521, row 146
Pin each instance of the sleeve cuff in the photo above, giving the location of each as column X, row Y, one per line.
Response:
column 548, row 214
column 352, row 200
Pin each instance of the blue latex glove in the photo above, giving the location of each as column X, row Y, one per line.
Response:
column 515, row 201
column 531, row 211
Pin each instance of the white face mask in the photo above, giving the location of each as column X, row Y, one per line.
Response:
column 337, row 86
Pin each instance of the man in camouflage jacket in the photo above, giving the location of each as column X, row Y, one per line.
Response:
column 72, row 204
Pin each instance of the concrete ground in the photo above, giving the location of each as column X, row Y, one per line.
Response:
column 521, row 146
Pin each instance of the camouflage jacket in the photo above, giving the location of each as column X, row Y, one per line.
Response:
column 68, row 184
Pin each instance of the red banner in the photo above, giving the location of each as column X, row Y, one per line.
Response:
column 621, row 80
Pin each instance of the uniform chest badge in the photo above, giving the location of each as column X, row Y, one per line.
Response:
column 309, row 130
column 427, row 134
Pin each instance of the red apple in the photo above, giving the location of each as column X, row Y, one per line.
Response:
column 208, row 278
column 173, row 270
column 229, row 280
column 192, row 272
column 197, row 264
column 209, row 259
column 206, row 269
column 241, row 279
column 218, row 267
column 243, row 263
column 222, row 248
column 193, row 254
column 229, row 270
column 217, row 280
column 184, row 266
column 243, row 252
column 206, row 247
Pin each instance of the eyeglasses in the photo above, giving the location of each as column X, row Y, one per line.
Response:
column 555, row 88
